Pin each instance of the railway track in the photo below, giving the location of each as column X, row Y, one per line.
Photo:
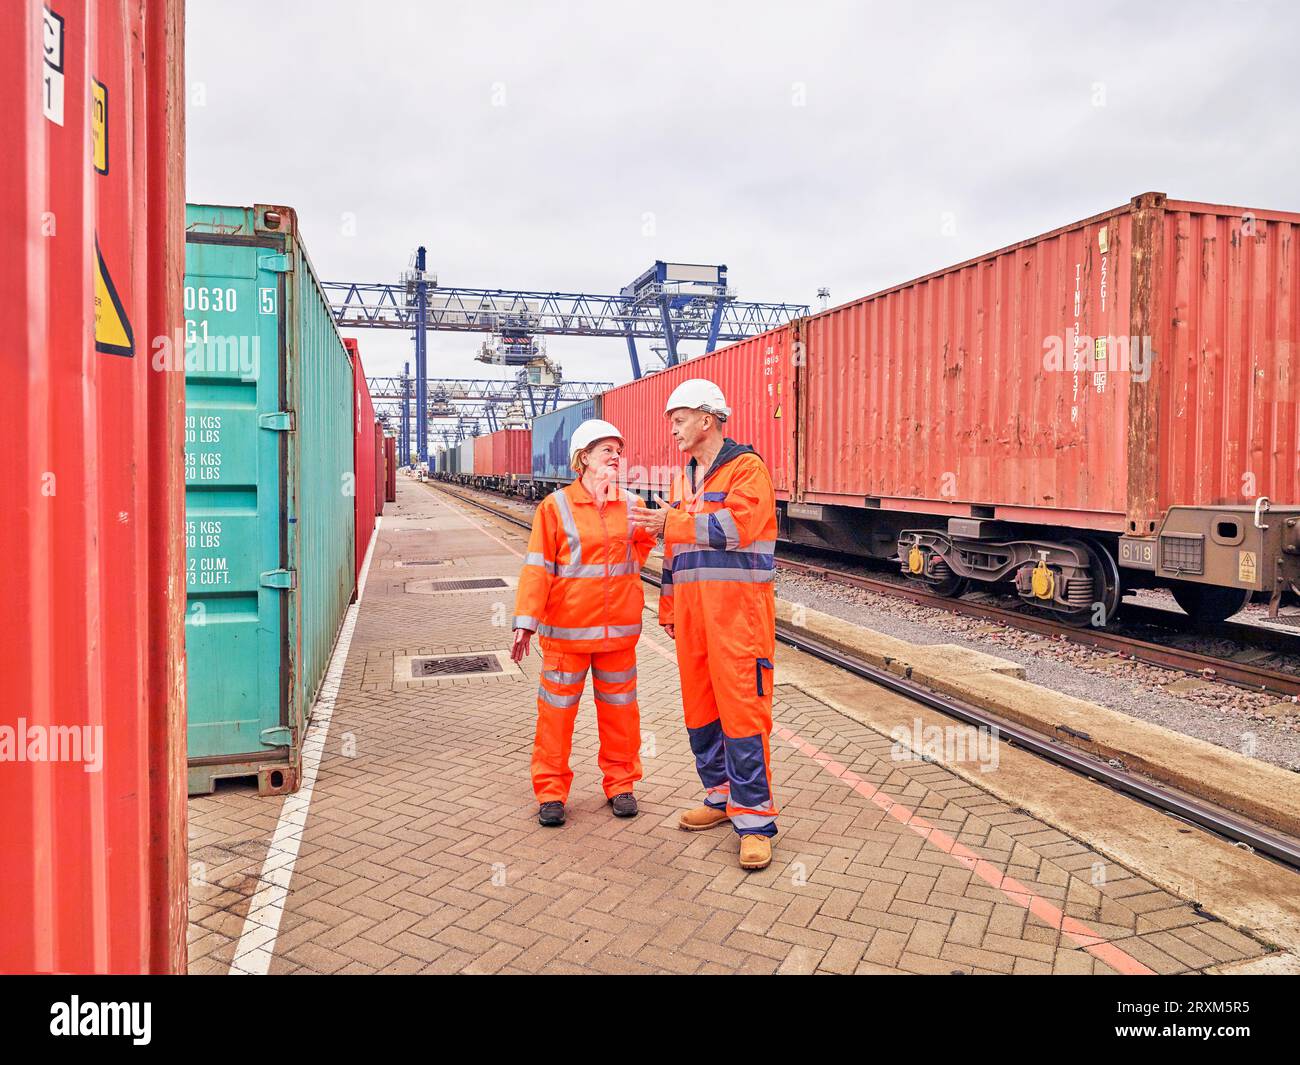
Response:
column 1209, row 667
column 1186, row 807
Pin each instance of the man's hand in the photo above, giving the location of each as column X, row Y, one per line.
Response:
column 671, row 629
column 520, row 647
column 651, row 520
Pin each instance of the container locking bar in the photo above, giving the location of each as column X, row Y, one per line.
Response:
column 284, row 579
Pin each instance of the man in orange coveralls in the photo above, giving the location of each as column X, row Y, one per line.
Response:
column 580, row 591
column 718, row 603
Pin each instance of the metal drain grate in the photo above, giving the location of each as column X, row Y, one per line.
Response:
column 444, row 667
column 450, row 584
column 424, row 562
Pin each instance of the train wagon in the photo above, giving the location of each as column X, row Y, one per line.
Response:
column 549, row 446
column 1109, row 405
column 271, row 563
column 756, row 376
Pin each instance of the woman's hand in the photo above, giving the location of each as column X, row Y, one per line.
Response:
column 520, row 647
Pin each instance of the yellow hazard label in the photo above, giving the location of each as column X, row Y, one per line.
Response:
column 112, row 327
column 1246, row 567
column 99, row 125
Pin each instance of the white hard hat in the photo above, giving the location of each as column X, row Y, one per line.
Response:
column 699, row 394
column 589, row 432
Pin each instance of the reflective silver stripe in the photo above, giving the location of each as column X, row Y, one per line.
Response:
column 534, row 559
column 758, row 547
column 562, row 701
column 618, row 569
column 728, row 522
column 743, row 576
column 523, row 621
column 570, row 527
column 621, row 677
column 702, row 530
column 615, row 698
column 556, row 677
column 752, row 820
column 594, row 632
column 580, row 571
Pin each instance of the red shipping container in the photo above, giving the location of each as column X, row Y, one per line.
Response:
column 390, row 469
column 380, row 476
column 93, row 860
column 963, row 388
column 363, row 454
column 756, row 376
column 511, row 452
column 483, row 456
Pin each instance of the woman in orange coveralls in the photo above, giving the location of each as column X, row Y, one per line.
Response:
column 580, row 591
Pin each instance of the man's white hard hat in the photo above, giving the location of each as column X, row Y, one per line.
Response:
column 699, row 394
column 589, row 432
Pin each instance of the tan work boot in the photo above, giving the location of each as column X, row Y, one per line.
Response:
column 703, row 817
column 755, row 852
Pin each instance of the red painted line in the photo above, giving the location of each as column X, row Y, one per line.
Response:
column 1047, row 912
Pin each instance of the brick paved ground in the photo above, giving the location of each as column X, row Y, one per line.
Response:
column 421, row 851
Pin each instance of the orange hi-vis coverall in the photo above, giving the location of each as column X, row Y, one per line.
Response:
column 580, row 591
column 719, row 564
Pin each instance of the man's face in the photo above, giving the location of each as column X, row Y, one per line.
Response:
column 689, row 427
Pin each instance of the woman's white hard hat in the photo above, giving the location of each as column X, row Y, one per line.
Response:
column 589, row 432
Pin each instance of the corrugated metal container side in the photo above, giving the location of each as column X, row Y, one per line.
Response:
column 936, row 394
column 377, row 500
column 271, row 500
column 511, row 453
column 1227, row 304
column 483, row 456
column 363, row 453
column 756, row 376
column 550, row 439
column 93, row 841
column 962, row 388
column 390, row 469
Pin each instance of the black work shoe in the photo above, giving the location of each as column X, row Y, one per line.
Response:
column 624, row 805
column 551, row 814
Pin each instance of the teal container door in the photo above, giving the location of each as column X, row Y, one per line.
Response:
column 236, row 539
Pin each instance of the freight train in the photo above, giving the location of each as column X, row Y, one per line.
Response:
column 1108, row 406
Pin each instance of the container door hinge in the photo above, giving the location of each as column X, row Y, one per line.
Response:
column 285, row 579
column 279, row 736
column 275, row 264
column 280, row 421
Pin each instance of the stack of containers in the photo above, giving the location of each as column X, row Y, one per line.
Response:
column 549, row 444
column 93, row 842
column 270, row 393
column 363, row 454
column 466, row 458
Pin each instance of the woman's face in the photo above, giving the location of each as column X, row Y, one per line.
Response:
column 604, row 454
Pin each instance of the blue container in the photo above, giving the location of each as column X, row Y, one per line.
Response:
column 551, row 434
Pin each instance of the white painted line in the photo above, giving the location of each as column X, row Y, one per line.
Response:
column 256, row 944
column 481, row 528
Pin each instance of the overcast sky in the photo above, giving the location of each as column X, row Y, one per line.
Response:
column 566, row 146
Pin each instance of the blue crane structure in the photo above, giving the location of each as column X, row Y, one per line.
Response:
column 670, row 301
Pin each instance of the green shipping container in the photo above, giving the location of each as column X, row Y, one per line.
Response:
column 268, row 493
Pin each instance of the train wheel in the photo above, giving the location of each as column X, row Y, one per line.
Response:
column 951, row 587
column 1107, row 591
column 1209, row 602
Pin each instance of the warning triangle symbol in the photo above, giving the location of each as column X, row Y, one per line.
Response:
column 113, row 334
column 778, row 410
